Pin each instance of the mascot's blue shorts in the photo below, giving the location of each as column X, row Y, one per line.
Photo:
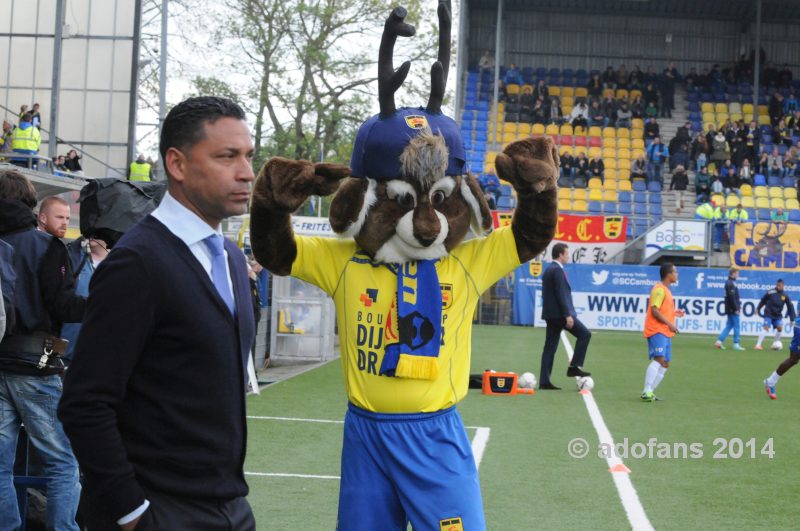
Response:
column 399, row 468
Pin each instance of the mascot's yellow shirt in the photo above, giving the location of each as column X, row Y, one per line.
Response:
column 363, row 292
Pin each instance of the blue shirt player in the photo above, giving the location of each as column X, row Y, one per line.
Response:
column 773, row 302
column 788, row 363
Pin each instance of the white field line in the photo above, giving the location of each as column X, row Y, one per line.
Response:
column 627, row 493
column 479, row 443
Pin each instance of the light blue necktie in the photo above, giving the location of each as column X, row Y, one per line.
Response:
column 218, row 272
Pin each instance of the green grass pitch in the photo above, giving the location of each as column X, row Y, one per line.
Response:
column 529, row 480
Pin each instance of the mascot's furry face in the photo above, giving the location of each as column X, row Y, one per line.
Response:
column 410, row 197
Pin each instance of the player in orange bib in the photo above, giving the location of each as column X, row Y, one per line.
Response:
column 659, row 327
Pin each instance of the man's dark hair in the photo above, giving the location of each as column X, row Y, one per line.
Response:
column 558, row 250
column 14, row 185
column 666, row 269
column 184, row 125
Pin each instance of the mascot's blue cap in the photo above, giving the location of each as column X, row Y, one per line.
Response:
column 381, row 141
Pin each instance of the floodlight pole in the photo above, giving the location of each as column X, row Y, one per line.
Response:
column 757, row 61
column 162, row 71
column 55, row 92
column 134, row 92
column 497, row 44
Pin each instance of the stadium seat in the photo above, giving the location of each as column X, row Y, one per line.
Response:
column 595, row 183
column 731, row 201
column 624, row 209
column 748, row 201
column 565, row 129
column 707, row 107
column 746, row 190
column 609, row 132
column 506, row 202
column 581, row 92
column 565, row 182
column 610, row 196
column 654, row 186
column 623, row 133
column 524, row 130
column 762, row 202
column 537, row 129
column 624, row 196
column 595, row 207
column 790, row 193
column 580, row 149
column 775, row 191
column 760, row 191
column 637, row 123
column 512, row 88
column 595, row 194
column 763, row 214
column 655, row 211
column 788, row 181
column 579, row 140
column 624, row 186
column 654, row 199
column 624, row 166
column 624, row 143
column 579, row 206
column 610, row 162
column 609, row 207
column 595, row 151
column 794, row 216
column 610, row 175
column 595, row 131
column 776, row 202
column 639, row 185
column 639, row 197
column 609, row 153
column 564, row 193
column 579, row 193
column 609, row 142
column 551, row 130
column 792, row 204
column 774, row 181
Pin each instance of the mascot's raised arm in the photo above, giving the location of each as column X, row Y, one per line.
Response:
column 405, row 285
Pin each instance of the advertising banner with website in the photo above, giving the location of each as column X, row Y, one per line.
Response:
column 591, row 239
column 677, row 235
column 766, row 245
column 614, row 297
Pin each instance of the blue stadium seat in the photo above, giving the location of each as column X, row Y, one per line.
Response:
column 794, row 216
column 624, row 197
column 655, row 199
column 625, row 209
column 655, row 211
column 483, row 106
column 565, row 181
column 751, row 213
column 640, row 209
column 554, row 72
column 640, row 197
column 609, row 207
column 482, row 115
column 654, row 187
column 467, row 116
column 774, row 181
column 639, row 185
column 594, row 207
column 763, row 214
column 641, row 227
column 759, row 180
column 505, row 190
column 788, row 182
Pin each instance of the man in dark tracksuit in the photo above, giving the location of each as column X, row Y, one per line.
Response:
column 733, row 305
column 773, row 302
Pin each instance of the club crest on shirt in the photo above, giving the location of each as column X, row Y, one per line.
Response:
column 368, row 297
column 447, row 296
column 451, row 524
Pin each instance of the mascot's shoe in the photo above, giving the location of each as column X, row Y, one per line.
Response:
column 770, row 389
column 758, row 347
column 719, row 345
column 737, row 346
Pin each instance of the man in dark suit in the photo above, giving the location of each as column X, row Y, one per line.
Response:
column 154, row 401
column 559, row 313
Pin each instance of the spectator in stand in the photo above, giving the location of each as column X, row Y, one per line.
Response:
column 720, row 152
column 678, row 154
column 637, row 107
column 650, row 94
column 679, row 183
column 793, row 123
column 650, row 76
column 790, row 105
column 624, row 116
column 781, row 133
column 785, row 76
column 58, row 164
column 779, row 217
column 501, row 90
column 73, row 162
column 490, row 183
column 717, row 187
column 36, row 117
column 651, row 130
column 609, row 105
column 596, row 115
column 526, row 101
column 730, row 180
column 639, row 168
column 699, row 153
column 775, row 108
column 622, row 77
column 666, row 88
column 581, row 169
column 555, row 116
column 595, row 86
column 542, row 91
column 691, row 80
column 486, row 62
column 762, row 165
column 490, row 200
column 25, row 140
column 751, row 137
column 538, row 115
column 657, row 155
column 651, row 111
column 635, row 78
column 790, row 163
column 54, row 216
column 597, row 168
column 702, row 185
column 727, row 165
column 609, row 78
column 746, row 173
column 140, row 170
column 23, row 109
column 513, row 76
column 774, row 163
column 567, row 166
column 6, row 139
column 579, row 115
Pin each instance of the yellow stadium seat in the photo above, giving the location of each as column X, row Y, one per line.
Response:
column 510, row 127
column 501, row 106
column 608, row 93
column 567, row 101
column 579, row 130
column 499, row 138
column 551, row 129
column 761, row 191
column 637, row 143
column 777, row 202
column 624, row 164
column 610, row 177
column 720, row 107
column 595, row 152
column 637, row 133
column 722, row 117
column 488, row 167
column 706, row 106
column 635, row 93
column 790, row 193
column 610, row 163
column 595, row 194
column 623, row 133
column 624, row 185
column 731, row 201
column 581, row 92
column 286, row 325
column 762, row 202
column 564, row 204
column 609, row 142
column 623, row 153
column 718, row 199
column 565, row 193
column 537, row 129
column 763, row 110
column 524, row 129
column 709, row 117
column 609, row 132
column 509, row 137
column 566, row 149
column 512, row 88
column 609, row 153
column 747, row 108
column 579, row 206
column 595, row 131
column 610, row 195
column 734, row 106
column 526, row 89
column 566, row 109
column 553, row 90
column 637, row 123
column 748, row 117
column 595, row 183
column 579, row 150
column 636, row 153
column 621, row 93
column 775, row 191
column 792, row 204
column 735, row 117
column 579, row 193
column 746, row 190
column 567, row 91
column 565, row 129
column 490, row 156
column 748, row 201
column 763, row 119
column 624, row 143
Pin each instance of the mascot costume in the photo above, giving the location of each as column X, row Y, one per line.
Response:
column 405, row 285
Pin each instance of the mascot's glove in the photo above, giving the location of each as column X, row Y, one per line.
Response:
column 530, row 165
column 284, row 184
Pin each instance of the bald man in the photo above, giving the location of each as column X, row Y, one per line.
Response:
column 54, row 216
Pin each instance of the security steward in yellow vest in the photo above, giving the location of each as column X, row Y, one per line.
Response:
column 26, row 140
column 139, row 170
column 737, row 214
column 708, row 211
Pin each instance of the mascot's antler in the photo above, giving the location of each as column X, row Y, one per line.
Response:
column 389, row 80
column 442, row 65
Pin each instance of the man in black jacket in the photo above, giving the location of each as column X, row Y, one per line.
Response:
column 733, row 307
column 559, row 313
column 154, row 400
column 30, row 350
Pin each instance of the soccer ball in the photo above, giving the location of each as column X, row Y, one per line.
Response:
column 526, row 380
column 777, row 345
column 585, row 383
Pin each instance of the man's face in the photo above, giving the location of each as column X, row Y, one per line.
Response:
column 673, row 276
column 564, row 257
column 735, row 275
column 779, row 286
column 214, row 178
column 55, row 219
